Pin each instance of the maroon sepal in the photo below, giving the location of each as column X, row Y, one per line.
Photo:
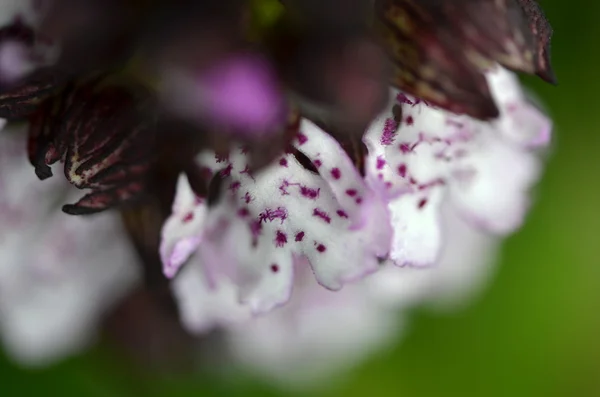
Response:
column 440, row 49
column 105, row 138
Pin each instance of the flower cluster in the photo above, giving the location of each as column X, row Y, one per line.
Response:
column 302, row 170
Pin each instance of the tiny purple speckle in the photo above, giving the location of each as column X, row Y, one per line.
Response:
column 280, row 239
column 243, row 212
column 302, row 139
column 422, row 203
column 235, row 186
column 317, row 163
column 299, row 236
column 380, row 163
column 270, row 214
column 321, row 248
column 405, row 147
column 283, row 162
column 342, row 214
column 410, row 120
column 404, row 99
column 336, row 173
column 402, row 170
column 322, row 214
column 310, row 193
column 274, row 268
column 351, row 192
column 227, row 171
column 188, row 217
column 389, row 131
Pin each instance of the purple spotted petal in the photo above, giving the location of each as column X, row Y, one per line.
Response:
column 182, row 232
column 266, row 222
column 484, row 168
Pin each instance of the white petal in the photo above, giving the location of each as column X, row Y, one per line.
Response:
column 520, row 121
column 58, row 273
column 266, row 222
column 182, row 232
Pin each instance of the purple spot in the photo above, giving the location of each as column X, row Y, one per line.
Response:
column 227, row 171
column 243, row 212
column 380, row 163
column 342, row 214
column 307, row 192
column 283, row 188
column 188, row 217
column 280, row 239
column 321, row 248
column 248, row 172
column 270, row 215
column 274, row 268
column 351, row 192
column 358, row 200
column 248, row 197
column 235, row 186
column 336, row 173
column 422, row 203
column 317, row 163
column 402, row 170
column 410, row 120
column 321, row 214
column 389, row 130
column 404, row 99
column 405, row 147
column 302, row 139
column 283, row 162
column 299, row 236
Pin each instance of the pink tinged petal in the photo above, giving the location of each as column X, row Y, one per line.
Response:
column 182, row 232
column 520, row 120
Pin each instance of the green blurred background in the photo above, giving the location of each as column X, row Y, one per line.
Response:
column 536, row 329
